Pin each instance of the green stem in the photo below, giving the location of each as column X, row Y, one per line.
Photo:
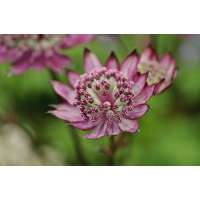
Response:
column 115, row 144
column 74, row 135
column 77, row 145
column 112, row 151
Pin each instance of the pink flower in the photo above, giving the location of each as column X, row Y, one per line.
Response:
column 106, row 99
column 38, row 50
column 160, row 73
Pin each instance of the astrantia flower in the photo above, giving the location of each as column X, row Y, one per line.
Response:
column 160, row 73
column 106, row 99
column 38, row 50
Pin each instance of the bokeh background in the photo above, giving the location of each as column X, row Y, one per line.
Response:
column 169, row 133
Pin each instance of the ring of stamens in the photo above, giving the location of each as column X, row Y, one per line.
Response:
column 104, row 94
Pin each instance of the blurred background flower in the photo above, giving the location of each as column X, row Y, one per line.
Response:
column 24, row 101
column 16, row 148
column 38, row 50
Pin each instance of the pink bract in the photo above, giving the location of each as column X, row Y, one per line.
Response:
column 106, row 100
column 160, row 72
column 38, row 50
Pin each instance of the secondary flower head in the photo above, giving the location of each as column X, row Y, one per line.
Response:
column 38, row 50
column 106, row 99
column 160, row 73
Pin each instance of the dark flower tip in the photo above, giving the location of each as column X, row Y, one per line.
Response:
column 86, row 51
column 113, row 55
column 133, row 53
column 150, row 46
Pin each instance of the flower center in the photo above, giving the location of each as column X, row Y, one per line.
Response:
column 155, row 71
column 104, row 94
column 156, row 75
column 144, row 67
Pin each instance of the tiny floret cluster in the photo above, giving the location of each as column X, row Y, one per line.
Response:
column 159, row 72
column 109, row 99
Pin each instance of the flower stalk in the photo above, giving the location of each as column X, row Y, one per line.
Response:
column 73, row 132
column 115, row 144
column 77, row 146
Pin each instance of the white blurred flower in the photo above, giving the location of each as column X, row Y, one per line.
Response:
column 16, row 148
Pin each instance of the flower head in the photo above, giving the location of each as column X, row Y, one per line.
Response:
column 160, row 73
column 106, row 99
column 38, row 50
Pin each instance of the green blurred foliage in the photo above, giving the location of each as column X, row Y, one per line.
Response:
column 169, row 132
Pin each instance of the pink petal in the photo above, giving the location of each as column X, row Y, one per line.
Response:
column 144, row 96
column 104, row 130
column 138, row 111
column 22, row 64
column 91, row 62
column 166, row 60
column 170, row 76
column 161, row 87
column 85, row 125
column 67, row 113
column 148, row 57
column 73, row 78
column 100, row 131
column 64, row 91
column 112, row 62
column 39, row 62
column 75, row 39
column 148, row 54
column 113, row 129
column 14, row 54
column 19, row 68
column 139, row 83
column 129, row 66
column 170, row 70
column 57, row 62
column 129, row 125
column 3, row 54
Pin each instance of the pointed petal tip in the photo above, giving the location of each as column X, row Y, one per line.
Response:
column 112, row 62
column 150, row 50
column 91, row 61
column 129, row 65
column 50, row 112
column 150, row 47
column 169, row 54
column 54, row 83
column 133, row 53
column 113, row 55
column 86, row 51
column 52, row 106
